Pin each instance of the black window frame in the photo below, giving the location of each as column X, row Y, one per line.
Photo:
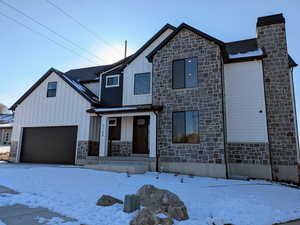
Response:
column 184, row 75
column 185, row 128
column 51, row 90
column 134, row 84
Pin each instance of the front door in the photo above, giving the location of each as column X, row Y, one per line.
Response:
column 140, row 135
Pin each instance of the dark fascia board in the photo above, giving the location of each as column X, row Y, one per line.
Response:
column 149, row 42
column 33, row 87
column 292, row 63
column 178, row 29
column 140, row 108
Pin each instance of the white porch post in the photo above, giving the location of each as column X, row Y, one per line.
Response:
column 152, row 136
column 103, row 136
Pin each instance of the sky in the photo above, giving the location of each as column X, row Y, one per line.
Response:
column 26, row 56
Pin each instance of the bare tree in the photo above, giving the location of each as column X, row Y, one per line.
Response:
column 3, row 109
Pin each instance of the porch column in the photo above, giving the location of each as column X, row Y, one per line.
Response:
column 152, row 136
column 103, row 136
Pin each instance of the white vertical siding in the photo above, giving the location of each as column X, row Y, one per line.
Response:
column 94, row 128
column 68, row 108
column 139, row 65
column 127, row 128
column 244, row 99
column 93, row 86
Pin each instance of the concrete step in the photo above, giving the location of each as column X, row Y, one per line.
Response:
column 121, row 167
column 124, row 159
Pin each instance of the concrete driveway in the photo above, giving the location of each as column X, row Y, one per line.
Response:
column 23, row 215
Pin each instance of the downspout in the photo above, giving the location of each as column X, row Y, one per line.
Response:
column 156, row 149
column 224, row 121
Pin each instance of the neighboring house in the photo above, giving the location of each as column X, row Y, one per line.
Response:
column 186, row 101
column 6, row 125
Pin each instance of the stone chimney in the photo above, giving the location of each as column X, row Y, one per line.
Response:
column 271, row 37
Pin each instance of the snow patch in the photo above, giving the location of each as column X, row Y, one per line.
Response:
column 54, row 221
column 257, row 52
column 1, row 223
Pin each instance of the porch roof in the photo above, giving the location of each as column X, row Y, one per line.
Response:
column 127, row 109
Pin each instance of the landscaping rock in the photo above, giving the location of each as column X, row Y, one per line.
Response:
column 131, row 203
column 162, row 201
column 145, row 217
column 166, row 221
column 107, row 200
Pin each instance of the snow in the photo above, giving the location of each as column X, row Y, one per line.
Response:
column 257, row 52
column 4, row 148
column 73, row 192
column 1, row 223
column 53, row 221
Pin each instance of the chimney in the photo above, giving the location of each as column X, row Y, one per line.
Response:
column 271, row 37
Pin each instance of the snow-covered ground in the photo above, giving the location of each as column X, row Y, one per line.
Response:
column 73, row 192
column 4, row 148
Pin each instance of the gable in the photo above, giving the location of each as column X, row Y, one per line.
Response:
column 80, row 89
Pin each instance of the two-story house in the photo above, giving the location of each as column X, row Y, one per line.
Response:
column 185, row 102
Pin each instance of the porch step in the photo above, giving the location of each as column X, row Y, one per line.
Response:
column 120, row 167
column 124, row 159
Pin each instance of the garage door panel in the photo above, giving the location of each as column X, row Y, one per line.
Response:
column 49, row 145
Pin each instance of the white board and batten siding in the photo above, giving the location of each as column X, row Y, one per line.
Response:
column 68, row 108
column 245, row 102
column 140, row 65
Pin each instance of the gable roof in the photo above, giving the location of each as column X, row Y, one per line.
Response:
column 149, row 42
column 82, row 90
column 178, row 29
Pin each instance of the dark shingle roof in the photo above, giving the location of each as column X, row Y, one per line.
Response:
column 6, row 118
column 87, row 74
column 248, row 45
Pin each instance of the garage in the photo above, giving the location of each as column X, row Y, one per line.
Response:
column 56, row 145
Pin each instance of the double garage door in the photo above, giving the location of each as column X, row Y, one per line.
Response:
column 55, row 145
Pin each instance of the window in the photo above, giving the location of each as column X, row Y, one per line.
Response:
column 185, row 73
column 51, row 89
column 185, row 127
column 112, row 81
column 112, row 122
column 142, row 83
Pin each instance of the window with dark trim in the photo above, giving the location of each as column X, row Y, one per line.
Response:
column 142, row 83
column 185, row 127
column 185, row 73
column 51, row 89
column 112, row 81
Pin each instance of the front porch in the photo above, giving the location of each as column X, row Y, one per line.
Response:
column 127, row 139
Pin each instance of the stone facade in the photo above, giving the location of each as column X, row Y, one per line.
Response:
column 207, row 99
column 248, row 153
column 85, row 148
column 121, row 148
column 279, row 101
column 13, row 151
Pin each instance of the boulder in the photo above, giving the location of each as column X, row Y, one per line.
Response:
column 166, row 221
column 145, row 217
column 131, row 203
column 162, row 201
column 107, row 200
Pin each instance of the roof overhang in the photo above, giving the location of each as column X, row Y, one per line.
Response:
column 128, row 109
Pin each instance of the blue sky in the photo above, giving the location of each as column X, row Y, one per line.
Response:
column 25, row 57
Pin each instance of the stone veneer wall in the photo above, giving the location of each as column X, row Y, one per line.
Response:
column 121, row 148
column 248, row 153
column 279, row 106
column 83, row 147
column 13, row 151
column 207, row 99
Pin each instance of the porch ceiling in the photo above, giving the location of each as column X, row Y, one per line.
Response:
column 128, row 109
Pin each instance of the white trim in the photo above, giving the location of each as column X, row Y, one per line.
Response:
column 100, row 87
column 114, row 85
column 114, row 109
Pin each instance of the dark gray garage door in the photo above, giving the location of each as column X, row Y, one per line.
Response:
column 49, row 145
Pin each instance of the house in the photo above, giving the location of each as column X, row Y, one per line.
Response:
column 6, row 121
column 185, row 102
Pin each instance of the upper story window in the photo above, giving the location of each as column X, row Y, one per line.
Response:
column 142, row 83
column 51, row 89
column 112, row 81
column 185, row 127
column 185, row 73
